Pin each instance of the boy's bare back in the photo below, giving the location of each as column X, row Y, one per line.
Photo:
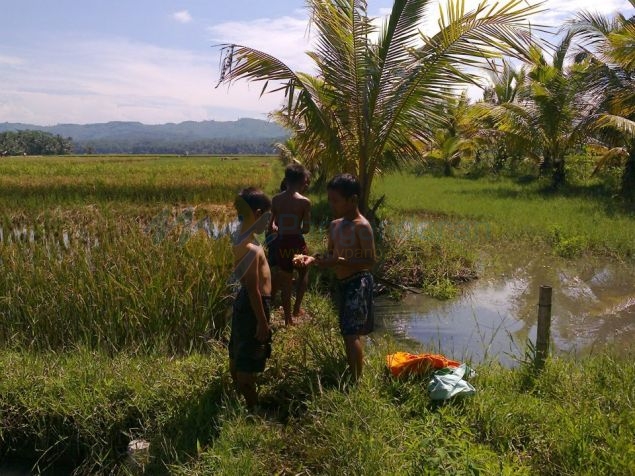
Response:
column 291, row 213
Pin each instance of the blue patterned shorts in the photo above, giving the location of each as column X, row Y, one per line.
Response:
column 356, row 304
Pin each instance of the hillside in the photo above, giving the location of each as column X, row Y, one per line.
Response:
column 241, row 136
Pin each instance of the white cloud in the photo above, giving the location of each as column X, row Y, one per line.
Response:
column 117, row 79
column 10, row 60
column 183, row 16
column 122, row 80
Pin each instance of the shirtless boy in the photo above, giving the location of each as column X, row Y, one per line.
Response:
column 290, row 220
column 250, row 341
column 351, row 253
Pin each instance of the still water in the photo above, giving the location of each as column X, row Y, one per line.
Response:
column 593, row 306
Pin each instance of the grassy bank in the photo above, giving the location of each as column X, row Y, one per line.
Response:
column 573, row 221
column 82, row 408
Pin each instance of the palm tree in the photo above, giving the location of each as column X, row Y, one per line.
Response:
column 551, row 114
column 371, row 100
column 610, row 44
column 506, row 81
column 458, row 136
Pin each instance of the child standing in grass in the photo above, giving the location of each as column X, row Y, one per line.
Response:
column 351, row 253
column 250, row 341
column 290, row 220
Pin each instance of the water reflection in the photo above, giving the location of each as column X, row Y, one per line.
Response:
column 593, row 305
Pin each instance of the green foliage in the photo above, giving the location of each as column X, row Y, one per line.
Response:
column 568, row 246
column 508, row 210
column 378, row 89
column 33, row 143
column 430, row 256
column 83, row 408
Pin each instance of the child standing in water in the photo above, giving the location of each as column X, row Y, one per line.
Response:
column 290, row 220
column 250, row 341
column 351, row 253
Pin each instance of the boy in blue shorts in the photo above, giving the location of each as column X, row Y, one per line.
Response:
column 351, row 253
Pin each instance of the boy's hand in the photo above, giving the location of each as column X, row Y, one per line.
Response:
column 262, row 332
column 303, row 261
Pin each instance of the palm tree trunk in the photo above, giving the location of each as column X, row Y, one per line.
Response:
column 628, row 176
column 559, row 174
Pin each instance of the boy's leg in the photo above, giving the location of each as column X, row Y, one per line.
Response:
column 354, row 355
column 300, row 289
column 275, row 282
column 285, row 280
column 247, row 387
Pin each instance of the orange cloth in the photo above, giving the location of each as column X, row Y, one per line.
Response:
column 404, row 363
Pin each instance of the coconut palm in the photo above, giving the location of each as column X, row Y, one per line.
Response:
column 551, row 114
column 458, row 136
column 374, row 91
column 610, row 44
column 506, row 81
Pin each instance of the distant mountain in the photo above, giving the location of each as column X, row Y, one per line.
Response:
column 241, row 136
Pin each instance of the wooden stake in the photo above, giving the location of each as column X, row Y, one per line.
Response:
column 543, row 333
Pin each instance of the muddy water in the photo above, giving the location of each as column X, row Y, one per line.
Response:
column 593, row 306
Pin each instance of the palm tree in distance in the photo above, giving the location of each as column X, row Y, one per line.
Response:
column 374, row 95
column 610, row 45
column 551, row 114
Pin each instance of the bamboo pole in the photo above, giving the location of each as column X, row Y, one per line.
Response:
column 543, row 333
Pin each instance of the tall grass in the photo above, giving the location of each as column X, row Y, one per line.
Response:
column 577, row 219
column 112, row 287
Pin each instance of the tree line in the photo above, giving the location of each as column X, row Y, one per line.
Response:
column 34, row 143
column 31, row 142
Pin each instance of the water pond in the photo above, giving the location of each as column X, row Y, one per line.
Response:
column 593, row 306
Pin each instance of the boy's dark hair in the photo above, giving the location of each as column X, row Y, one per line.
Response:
column 346, row 184
column 295, row 174
column 253, row 198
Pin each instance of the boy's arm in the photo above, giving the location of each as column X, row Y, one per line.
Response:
column 273, row 226
column 329, row 260
column 251, row 281
column 306, row 218
column 367, row 256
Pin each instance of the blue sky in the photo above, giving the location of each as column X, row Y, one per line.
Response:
column 153, row 61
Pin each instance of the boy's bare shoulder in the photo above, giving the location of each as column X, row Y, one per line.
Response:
column 361, row 221
column 276, row 198
column 241, row 249
column 336, row 222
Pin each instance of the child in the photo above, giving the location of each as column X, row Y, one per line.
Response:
column 351, row 252
column 250, row 341
column 290, row 219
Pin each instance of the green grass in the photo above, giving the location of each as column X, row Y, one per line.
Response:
column 576, row 417
column 118, row 333
column 127, row 182
column 575, row 220
column 123, row 291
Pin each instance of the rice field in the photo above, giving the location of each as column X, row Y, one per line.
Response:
column 116, row 252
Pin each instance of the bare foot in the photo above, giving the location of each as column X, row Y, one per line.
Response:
column 300, row 313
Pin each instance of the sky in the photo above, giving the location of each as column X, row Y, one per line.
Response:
column 155, row 61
